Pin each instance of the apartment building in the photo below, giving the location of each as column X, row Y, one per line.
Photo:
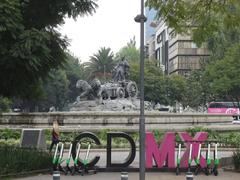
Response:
column 176, row 53
column 183, row 54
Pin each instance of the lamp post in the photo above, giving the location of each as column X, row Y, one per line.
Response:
column 141, row 19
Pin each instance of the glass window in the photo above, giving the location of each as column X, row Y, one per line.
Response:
column 193, row 45
column 159, row 38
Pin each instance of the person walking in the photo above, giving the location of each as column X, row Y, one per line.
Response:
column 55, row 135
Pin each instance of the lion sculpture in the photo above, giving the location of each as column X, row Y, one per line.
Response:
column 89, row 91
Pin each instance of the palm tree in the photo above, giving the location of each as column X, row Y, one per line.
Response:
column 101, row 64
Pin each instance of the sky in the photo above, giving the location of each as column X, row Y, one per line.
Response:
column 111, row 26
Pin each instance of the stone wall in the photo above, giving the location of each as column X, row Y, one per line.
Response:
column 127, row 121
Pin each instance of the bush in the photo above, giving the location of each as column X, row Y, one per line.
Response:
column 5, row 104
column 14, row 160
column 9, row 134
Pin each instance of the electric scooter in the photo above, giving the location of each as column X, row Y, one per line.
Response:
column 190, row 158
column 198, row 166
column 178, row 160
column 75, row 165
column 67, row 168
column 208, row 167
column 216, row 161
column 55, row 158
column 85, row 163
column 58, row 159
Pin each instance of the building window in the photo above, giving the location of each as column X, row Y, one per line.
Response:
column 172, row 34
column 193, row 45
column 159, row 38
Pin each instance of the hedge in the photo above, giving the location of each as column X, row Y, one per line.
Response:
column 17, row 160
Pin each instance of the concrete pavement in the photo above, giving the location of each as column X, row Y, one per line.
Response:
column 117, row 156
column 223, row 175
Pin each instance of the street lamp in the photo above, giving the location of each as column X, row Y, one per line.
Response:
column 141, row 19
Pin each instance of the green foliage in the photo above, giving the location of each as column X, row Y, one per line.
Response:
column 224, row 74
column 9, row 134
column 226, row 139
column 206, row 16
column 197, row 90
column 212, row 135
column 101, row 64
column 216, row 23
column 4, row 104
column 30, row 44
column 103, row 134
column 74, row 71
column 56, row 89
column 158, row 135
column 14, row 160
column 176, row 88
column 130, row 52
column 154, row 84
column 230, row 139
column 10, row 142
column 159, row 88
column 48, row 134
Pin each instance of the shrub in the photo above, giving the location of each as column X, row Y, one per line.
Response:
column 9, row 134
column 5, row 104
column 14, row 160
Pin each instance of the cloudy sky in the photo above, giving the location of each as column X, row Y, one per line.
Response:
column 111, row 26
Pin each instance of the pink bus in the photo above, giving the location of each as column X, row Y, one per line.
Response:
column 223, row 108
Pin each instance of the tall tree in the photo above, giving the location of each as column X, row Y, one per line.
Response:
column 101, row 63
column 130, row 52
column 176, row 88
column 224, row 75
column 217, row 23
column 155, row 82
column 30, row 44
column 201, row 18
column 74, row 70
column 56, row 89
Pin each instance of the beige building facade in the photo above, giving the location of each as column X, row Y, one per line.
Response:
column 184, row 55
column 176, row 53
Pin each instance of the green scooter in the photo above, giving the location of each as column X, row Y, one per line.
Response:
column 178, row 159
column 75, row 165
column 216, row 161
column 208, row 167
column 85, row 167
column 58, row 158
column 68, row 160
column 190, row 158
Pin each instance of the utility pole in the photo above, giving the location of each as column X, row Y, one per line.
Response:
column 141, row 19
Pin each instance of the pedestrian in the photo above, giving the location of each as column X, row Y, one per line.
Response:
column 55, row 135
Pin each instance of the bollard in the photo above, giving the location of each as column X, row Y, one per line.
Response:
column 56, row 175
column 189, row 176
column 124, row 176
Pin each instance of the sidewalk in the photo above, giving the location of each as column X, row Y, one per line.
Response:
column 135, row 176
column 119, row 156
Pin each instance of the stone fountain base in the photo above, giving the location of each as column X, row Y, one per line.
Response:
column 108, row 105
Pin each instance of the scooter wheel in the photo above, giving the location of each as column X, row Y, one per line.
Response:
column 215, row 172
column 207, row 171
column 73, row 172
column 177, row 171
column 196, row 172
